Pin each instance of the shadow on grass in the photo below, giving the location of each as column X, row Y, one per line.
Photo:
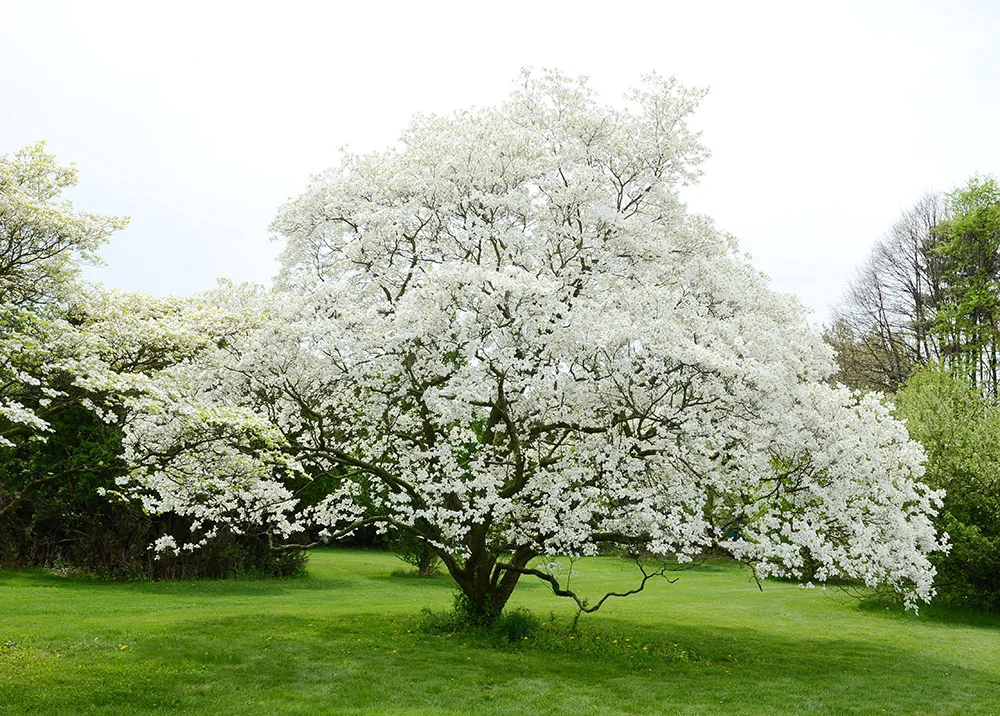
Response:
column 45, row 579
column 360, row 661
column 938, row 613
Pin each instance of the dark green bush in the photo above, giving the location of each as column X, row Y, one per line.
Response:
column 229, row 556
column 514, row 625
column 64, row 519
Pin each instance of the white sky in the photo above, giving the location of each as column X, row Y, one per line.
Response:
column 199, row 119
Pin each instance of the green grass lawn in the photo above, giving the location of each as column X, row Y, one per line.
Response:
column 349, row 639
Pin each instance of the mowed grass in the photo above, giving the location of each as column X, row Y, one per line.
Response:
column 348, row 639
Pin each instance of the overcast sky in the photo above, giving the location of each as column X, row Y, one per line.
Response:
column 199, row 119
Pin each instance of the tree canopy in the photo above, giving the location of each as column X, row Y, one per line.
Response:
column 929, row 291
column 508, row 337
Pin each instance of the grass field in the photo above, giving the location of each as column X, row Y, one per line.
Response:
column 350, row 639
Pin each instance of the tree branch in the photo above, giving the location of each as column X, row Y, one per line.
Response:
column 581, row 603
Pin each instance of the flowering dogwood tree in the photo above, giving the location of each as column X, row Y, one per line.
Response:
column 99, row 351
column 64, row 344
column 507, row 337
column 41, row 240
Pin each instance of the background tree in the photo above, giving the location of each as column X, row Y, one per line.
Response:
column 966, row 322
column 921, row 320
column 75, row 360
column 508, row 338
column 42, row 238
column 930, row 290
column 958, row 428
column 886, row 326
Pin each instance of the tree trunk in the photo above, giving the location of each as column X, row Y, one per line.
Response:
column 427, row 560
column 485, row 587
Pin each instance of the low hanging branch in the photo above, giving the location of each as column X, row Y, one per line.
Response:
column 22, row 495
column 582, row 603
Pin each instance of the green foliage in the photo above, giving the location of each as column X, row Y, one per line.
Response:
column 968, row 319
column 416, row 552
column 517, row 624
column 65, row 519
column 960, row 432
column 228, row 556
column 513, row 625
column 470, row 615
column 61, row 517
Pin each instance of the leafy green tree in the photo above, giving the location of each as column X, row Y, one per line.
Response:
column 968, row 319
column 959, row 430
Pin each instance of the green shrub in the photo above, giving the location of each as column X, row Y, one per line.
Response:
column 960, row 432
column 516, row 625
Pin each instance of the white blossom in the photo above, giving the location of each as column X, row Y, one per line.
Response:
column 509, row 336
